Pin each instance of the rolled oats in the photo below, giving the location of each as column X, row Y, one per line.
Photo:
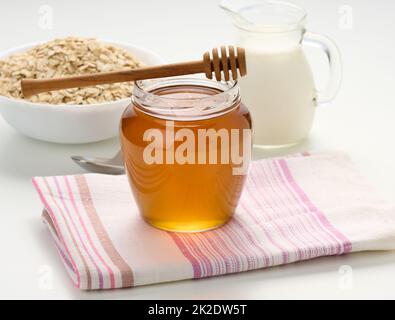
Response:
column 67, row 57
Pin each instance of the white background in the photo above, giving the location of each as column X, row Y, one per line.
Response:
column 360, row 122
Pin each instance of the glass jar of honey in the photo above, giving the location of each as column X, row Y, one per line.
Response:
column 187, row 147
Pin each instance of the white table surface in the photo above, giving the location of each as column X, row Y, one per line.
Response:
column 360, row 121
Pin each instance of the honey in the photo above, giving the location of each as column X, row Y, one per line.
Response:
column 181, row 179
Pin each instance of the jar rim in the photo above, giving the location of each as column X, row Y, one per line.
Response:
column 162, row 106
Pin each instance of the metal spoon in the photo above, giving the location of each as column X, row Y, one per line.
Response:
column 113, row 166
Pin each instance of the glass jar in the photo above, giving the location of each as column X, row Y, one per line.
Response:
column 187, row 147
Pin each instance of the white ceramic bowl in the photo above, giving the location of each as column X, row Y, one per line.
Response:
column 70, row 123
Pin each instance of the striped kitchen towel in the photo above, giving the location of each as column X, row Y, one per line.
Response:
column 294, row 208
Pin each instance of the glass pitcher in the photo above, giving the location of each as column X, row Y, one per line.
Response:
column 279, row 87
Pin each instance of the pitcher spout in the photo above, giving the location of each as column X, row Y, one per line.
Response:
column 234, row 8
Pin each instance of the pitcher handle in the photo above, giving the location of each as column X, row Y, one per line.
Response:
column 335, row 64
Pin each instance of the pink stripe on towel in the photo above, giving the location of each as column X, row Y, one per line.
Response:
column 345, row 243
column 73, row 223
column 58, row 231
column 88, row 236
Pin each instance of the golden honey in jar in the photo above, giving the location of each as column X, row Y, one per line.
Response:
column 186, row 146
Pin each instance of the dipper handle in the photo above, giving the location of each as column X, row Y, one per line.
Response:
column 223, row 63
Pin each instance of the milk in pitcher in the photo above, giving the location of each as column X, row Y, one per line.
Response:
column 280, row 92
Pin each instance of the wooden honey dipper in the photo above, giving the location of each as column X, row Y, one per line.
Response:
column 227, row 63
